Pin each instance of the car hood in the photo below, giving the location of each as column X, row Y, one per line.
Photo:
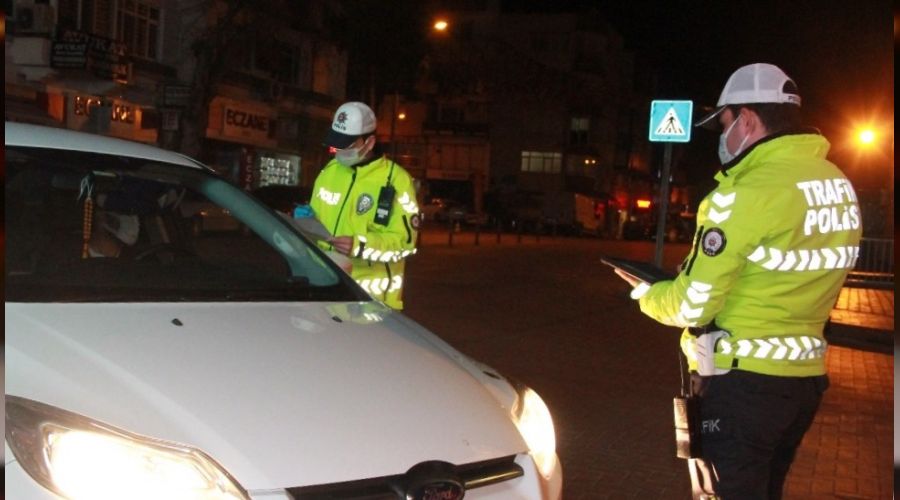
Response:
column 281, row 395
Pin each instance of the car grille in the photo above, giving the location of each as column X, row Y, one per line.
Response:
column 474, row 475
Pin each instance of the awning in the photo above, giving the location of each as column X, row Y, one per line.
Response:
column 29, row 112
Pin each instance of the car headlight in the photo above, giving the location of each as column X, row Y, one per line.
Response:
column 533, row 419
column 80, row 458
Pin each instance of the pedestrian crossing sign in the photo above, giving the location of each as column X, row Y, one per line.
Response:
column 670, row 121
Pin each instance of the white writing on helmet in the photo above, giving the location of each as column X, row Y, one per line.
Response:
column 834, row 202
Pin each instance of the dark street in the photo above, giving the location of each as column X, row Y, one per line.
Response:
column 551, row 315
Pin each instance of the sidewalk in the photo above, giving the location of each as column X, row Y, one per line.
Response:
column 863, row 318
column 848, row 452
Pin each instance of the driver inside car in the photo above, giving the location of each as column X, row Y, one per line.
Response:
column 111, row 232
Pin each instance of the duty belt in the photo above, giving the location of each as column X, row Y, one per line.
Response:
column 789, row 348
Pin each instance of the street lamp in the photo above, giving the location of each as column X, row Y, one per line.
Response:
column 866, row 137
column 873, row 146
column 868, row 141
column 440, row 25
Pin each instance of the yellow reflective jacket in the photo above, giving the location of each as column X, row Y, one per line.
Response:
column 774, row 243
column 345, row 200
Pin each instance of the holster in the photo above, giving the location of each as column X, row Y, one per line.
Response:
column 706, row 339
column 687, row 426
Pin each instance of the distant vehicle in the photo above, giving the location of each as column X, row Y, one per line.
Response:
column 456, row 213
column 430, row 208
column 680, row 227
column 475, row 219
column 232, row 367
column 577, row 213
column 641, row 224
column 443, row 210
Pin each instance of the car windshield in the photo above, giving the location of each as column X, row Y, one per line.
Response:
column 88, row 227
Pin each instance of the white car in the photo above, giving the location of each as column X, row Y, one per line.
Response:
column 146, row 360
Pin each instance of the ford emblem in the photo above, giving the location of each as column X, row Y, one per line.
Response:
column 434, row 480
column 444, row 490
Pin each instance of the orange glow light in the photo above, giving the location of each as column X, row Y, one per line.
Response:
column 440, row 25
column 643, row 203
column 866, row 136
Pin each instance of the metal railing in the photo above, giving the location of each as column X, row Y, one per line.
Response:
column 875, row 266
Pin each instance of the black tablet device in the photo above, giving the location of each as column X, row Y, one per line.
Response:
column 643, row 271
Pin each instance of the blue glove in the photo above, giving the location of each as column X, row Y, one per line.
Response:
column 303, row 211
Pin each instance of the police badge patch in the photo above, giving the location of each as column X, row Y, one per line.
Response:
column 713, row 241
column 364, row 203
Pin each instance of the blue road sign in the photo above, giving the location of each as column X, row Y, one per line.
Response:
column 670, row 121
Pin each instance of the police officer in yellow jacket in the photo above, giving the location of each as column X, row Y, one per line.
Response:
column 368, row 202
column 775, row 240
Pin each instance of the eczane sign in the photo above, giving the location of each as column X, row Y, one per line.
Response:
column 246, row 124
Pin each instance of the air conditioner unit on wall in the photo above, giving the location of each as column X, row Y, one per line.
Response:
column 36, row 18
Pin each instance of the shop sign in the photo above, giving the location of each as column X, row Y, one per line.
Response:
column 84, row 106
column 123, row 113
column 247, row 176
column 169, row 120
column 282, row 170
column 105, row 57
column 176, row 95
column 68, row 55
column 246, row 124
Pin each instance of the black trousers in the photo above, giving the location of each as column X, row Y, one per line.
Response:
column 751, row 426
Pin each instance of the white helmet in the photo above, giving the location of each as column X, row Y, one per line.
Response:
column 351, row 120
column 754, row 83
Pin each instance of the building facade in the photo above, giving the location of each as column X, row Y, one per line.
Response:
column 135, row 69
column 551, row 104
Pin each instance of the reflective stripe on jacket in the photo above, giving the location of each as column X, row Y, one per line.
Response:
column 775, row 241
column 345, row 200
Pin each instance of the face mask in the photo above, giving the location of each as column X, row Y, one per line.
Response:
column 726, row 156
column 350, row 156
